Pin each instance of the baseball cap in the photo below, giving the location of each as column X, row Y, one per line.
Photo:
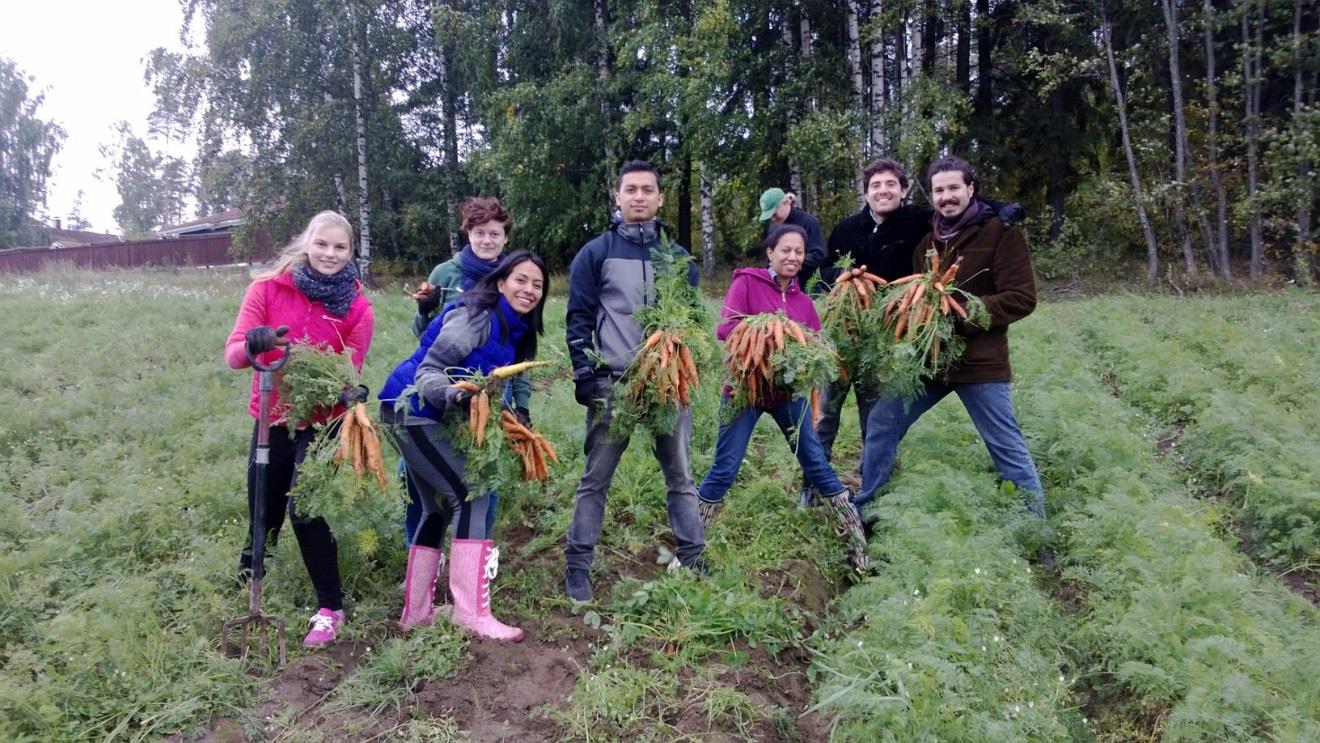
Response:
column 770, row 201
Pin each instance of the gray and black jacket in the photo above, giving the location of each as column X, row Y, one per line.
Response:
column 610, row 277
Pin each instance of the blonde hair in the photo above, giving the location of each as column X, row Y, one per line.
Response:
column 295, row 252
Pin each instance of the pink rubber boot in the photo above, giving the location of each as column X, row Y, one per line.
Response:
column 473, row 563
column 419, row 587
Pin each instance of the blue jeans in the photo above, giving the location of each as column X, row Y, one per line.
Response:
column 990, row 405
column 794, row 419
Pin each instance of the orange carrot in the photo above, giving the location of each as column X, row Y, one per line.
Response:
column 951, row 272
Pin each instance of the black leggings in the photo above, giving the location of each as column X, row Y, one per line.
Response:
column 317, row 544
column 435, row 480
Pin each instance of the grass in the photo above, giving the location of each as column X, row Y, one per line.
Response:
column 122, row 512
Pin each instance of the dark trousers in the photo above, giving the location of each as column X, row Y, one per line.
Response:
column 435, row 478
column 320, row 552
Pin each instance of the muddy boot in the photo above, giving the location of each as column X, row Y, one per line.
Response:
column 419, row 587
column 473, row 565
column 850, row 527
column 708, row 511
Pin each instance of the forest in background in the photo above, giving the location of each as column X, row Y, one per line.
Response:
column 1178, row 134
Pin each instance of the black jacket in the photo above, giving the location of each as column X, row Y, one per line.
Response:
column 885, row 248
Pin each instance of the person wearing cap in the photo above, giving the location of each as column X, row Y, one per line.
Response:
column 779, row 207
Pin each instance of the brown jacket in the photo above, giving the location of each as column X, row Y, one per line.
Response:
column 997, row 268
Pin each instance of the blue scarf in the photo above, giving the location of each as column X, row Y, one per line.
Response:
column 335, row 292
column 474, row 269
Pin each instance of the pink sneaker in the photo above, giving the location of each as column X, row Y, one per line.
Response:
column 325, row 627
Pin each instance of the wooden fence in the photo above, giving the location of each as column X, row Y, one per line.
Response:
column 199, row 250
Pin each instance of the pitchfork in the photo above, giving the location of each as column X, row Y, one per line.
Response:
column 255, row 619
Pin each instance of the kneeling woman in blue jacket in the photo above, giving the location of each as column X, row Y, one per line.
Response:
column 491, row 325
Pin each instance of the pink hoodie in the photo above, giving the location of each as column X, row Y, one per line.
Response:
column 755, row 291
column 275, row 302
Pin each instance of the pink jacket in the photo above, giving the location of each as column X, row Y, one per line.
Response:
column 277, row 302
column 755, row 291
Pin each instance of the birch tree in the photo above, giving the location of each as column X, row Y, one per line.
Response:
column 1138, row 195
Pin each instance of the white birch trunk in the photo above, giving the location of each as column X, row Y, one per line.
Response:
column 364, row 207
column 707, row 222
column 1120, row 103
column 1251, row 44
column 877, row 50
column 1301, row 248
column 1220, row 233
column 790, row 74
column 603, row 76
column 1180, row 138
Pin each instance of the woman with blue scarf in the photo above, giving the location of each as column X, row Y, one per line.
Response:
column 494, row 324
column 486, row 223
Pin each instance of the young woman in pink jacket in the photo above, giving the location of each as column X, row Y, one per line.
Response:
column 769, row 290
column 311, row 295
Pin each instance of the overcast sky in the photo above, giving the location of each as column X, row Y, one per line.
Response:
column 87, row 55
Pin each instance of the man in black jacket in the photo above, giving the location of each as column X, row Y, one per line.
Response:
column 780, row 208
column 882, row 237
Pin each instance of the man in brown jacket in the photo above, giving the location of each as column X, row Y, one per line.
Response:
column 997, row 268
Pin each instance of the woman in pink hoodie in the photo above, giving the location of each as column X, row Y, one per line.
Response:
column 311, row 295
column 770, row 290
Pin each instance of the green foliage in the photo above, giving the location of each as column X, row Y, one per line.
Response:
column 1153, row 625
column 361, row 513
column 312, row 380
column 676, row 308
column 27, row 146
column 152, row 186
column 681, row 618
column 1175, row 629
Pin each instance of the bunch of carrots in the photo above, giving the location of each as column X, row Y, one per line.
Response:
column 483, row 389
column 533, row 447
column 848, row 316
column 664, row 369
column 920, row 310
column 765, row 352
column 854, row 288
column 360, row 443
column 924, row 297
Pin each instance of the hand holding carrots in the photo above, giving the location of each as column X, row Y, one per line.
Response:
column 480, row 390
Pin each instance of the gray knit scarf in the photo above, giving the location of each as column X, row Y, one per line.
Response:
column 336, row 292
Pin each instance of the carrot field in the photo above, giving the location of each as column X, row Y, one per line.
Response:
column 1176, row 439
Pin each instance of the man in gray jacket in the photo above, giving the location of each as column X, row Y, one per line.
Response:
column 608, row 280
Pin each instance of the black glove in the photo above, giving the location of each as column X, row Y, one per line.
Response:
column 428, row 304
column 1011, row 214
column 584, row 390
column 263, row 338
column 353, row 395
column 523, row 415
